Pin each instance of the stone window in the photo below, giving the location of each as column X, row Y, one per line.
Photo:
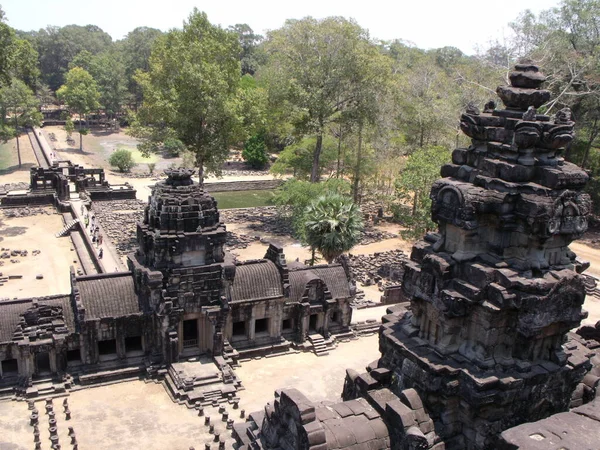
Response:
column 239, row 328
column 10, row 367
column 336, row 316
column 261, row 326
column 287, row 325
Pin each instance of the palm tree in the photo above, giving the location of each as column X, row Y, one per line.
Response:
column 333, row 225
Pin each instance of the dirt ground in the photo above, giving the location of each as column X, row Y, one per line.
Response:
column 318, row 377
column 131, row 415
column 53, row 262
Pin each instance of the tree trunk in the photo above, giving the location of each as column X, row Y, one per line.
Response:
column 593, row 134
column 200, row 164
column 415, row 201
column 339, row 155
column 17, row 135
column 312, row 256
column 356, row 181
column 80, row 135
column 314, row 174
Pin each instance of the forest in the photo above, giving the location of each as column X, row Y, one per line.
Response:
column 321, row 100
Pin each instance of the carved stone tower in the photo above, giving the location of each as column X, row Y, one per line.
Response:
column 180, row 266
column 496, row 290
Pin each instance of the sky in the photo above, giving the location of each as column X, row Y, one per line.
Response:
column 465, row 24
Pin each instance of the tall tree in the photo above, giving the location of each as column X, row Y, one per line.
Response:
column 313, row 63
column 190, row 89
column 7, row 50
column 250, row 57
column 18, row 101
column 136, row 48
column 422, row 169
column 58, row 46
column 80, row 93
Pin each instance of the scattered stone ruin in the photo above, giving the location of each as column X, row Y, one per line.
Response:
column 484, row 344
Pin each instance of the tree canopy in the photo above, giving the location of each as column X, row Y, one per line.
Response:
column 189, row 90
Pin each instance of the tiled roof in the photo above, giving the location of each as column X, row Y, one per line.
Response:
column 334, row 278
column 11, row 311
column 108, row 296
column 256, row 280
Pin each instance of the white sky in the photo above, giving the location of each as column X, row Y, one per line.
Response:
column 427, row 23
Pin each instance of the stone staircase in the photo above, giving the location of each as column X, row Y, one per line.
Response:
column 68, row 227
column 591, row 286
column 319, row 346
column 41, row 388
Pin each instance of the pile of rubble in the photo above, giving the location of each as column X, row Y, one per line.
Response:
column 379, row 268
column 26, row 212
column 263, row 219
column 117, row 219
column 239, row 241
column 13, row 255
column 7, row 187
column 371, row 235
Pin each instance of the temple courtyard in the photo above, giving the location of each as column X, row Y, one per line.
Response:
column 140, row 415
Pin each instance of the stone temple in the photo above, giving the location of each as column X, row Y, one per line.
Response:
column 182, row 297
column 484, row 345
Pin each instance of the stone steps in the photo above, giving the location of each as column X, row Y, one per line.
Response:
column 68, row 227
column 111, row 375
column 320, row 347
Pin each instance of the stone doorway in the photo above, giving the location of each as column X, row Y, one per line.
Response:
column 312, row 323
column 190, row 333
column 42, row 364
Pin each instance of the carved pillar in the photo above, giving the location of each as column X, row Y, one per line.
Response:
column 303, row 321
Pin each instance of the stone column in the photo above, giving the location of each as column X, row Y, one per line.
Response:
column 326, row 318
column 251, row 332
column 303, row 321
column 52, row 357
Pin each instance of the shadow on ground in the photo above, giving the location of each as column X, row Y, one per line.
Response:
column 16, row 168
column 13, row 231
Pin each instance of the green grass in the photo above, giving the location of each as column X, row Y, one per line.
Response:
column 244, row 199
column 8, row 156
column 137, row 155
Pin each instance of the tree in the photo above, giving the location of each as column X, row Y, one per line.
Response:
column 7, row 51
column 18, row 100
column 333, row 225
column 255, row 153
column 422, row 169
column 190, row 90
column 80, row 93
column 249, row 57
column 57, row 47
column 313, row 64
column 136, row 48
column 122, row 160
column 297, row 159
column 293, row 196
